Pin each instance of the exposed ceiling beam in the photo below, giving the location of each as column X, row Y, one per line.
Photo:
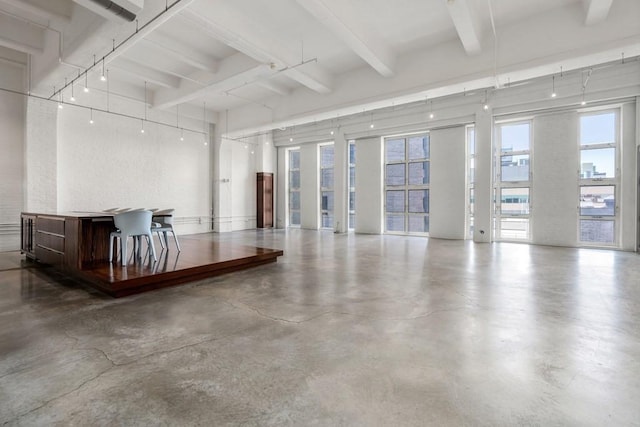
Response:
column 182, row 53
column 261, row 48
column 235, row 71
column 596, row 11
column 348, row 27
column 37, row 11
column 274, row 87
column 145, row 73
column 463, row 21
column 313, row 78
column 20, row 36
column 172, row 11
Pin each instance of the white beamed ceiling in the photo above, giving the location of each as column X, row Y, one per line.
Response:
column 269, row 62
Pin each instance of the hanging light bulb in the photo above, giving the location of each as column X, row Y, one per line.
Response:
column 61, row 101
column 331, row 132
column 583, row 102
column 142, row 128
column 91, row 117
column 103, row 78
column 181, row 134
column 431, row 115
column 86, row 83
column 73, row 98
column 553, row 87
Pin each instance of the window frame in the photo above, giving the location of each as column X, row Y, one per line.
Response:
column 321, row 189
column 289, row 189
column 600, row 181
column 351, row 187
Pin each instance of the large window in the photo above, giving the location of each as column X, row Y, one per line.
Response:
column 326, row 185
column 407, row 184
column 598, row 178
column 471, row 178
column 513, row 181
column 352, row 185
column 294, row 187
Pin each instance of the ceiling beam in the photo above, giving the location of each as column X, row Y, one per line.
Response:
column 235, row 72
column 37, row 11
column 596, row 11
column 274, row 87
column 150, row 27
column 348, row 28
column 463, row 21
column 20, row 36
column 261, row 48
column 145, row 73
column 182, row 53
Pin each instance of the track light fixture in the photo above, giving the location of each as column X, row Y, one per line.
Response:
column 86, row 82
column 553, row 87
column 103, row 77
column 91, row 116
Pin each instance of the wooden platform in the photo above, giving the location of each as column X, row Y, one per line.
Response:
column 197, row 260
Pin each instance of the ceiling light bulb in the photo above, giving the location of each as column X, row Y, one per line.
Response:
column 583, row 102
column 182, row 138
column 103, row 78
column 206, row 143
column 60, row 105
column 72, row 99
column 553, row 95
column 485, row 106
column 371, row 126
column 86, row 89
column 91, row 121
column 141, row 130
column 331, row 132
column 431, row 116
column 290, row 139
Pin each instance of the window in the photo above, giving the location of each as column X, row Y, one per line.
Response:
column 294, row 187
column 326, row 186
column 471, row 177
column 513, row 181
column 407, row 165
column 352, row 185
column 598, row 178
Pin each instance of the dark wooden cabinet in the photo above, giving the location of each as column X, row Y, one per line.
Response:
column 264, row 217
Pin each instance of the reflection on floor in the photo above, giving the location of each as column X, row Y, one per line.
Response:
column 342, row 330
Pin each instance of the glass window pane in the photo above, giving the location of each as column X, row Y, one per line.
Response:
column 395, row 150
column 294, row 218
column 514, row 201
column 294, row 179
column 471, row 201
column 598, row 163
column 395, row 174
column 472, row 170
column 352, row 220
column 326, row 178
column 352, row 154
column 514, row 228
column 515, row 137
column 395, row 222
column 418, row 201
column 352, row 200
column 395, row 201
column 471, row 141
column 598, row 128
column 418, row 173
column 597, row 231
column 515, row 168
column 326, row 156
column 327, row 201
column 352, row 177
column 418, row 223
column 419, row 147
column 294, row 200
column 294, row 159
column 598, row 200
column 327, row 220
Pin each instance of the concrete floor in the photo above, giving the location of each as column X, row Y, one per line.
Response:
column 343, row 330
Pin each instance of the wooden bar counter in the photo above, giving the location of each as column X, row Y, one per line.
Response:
column 78, row 243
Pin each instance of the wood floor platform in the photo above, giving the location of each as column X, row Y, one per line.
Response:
column 197, row 260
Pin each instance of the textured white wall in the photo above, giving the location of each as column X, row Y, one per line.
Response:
column 554, row 196
column 243, row 186
column 111, row 164
column 447, row 201
column 309, row 187
column 12, row 120
column 369, row 195
column 41, row 156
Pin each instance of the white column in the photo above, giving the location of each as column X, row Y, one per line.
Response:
column 309, row 187
column 482, row 229
column 369, row 194
column 340, row 191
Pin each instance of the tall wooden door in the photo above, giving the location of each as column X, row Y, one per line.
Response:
column 264, row 217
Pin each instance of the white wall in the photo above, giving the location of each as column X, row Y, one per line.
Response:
column 12, row 120
column 554, row 197
column 369, row 195
column 629, row 183
column 243, row 187
column 309, row 187
column 112, row 164
column 447, row 202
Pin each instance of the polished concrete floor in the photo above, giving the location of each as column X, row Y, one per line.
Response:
column 350, row 330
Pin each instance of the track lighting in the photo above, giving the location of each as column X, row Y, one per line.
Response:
column 553, row 87
column 91, row 117
column 142, row 128
column 103, row 78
